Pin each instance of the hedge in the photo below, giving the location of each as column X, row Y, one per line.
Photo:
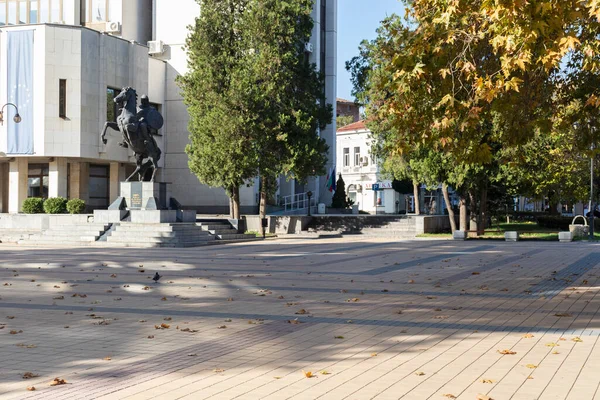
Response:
column 55, row 205
column 76, row 206
column 562, row 223
column 33, row 205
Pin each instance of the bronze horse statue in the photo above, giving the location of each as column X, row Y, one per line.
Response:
column 137, row 127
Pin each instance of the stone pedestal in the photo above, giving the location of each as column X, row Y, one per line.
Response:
column 145, row 203
column 145, row 195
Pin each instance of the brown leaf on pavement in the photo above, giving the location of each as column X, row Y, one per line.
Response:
column 527, row 336
column 218, row 370
column 419, row 373
column 294, row 321
column 483, row 397
column 29, row 375
column 562, row 314
column 14, row 332
column 10, row 317
column 487, row 381
column 31, row 388
column 353, row 300
column 308, row 374
column 507, row 352
column 26, row 346
column 58, row 381
column 531, row 366
column 302, row 312
column 58, row 298
column 577, row 339
column 450, row 396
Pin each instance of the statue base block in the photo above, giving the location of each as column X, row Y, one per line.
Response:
column 144, row 203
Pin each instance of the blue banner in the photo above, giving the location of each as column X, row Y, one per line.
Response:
column 20, row 92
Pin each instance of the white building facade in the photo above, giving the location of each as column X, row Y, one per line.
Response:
column 365, row 185
column 81, row 53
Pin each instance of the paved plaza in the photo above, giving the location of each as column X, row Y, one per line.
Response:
column 368, row 319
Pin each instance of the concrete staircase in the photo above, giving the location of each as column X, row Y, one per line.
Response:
column 80, row 234
column 222, row 230
column 396, row 227
column 128, row 234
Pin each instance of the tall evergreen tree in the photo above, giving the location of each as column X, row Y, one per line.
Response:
column 219, row 140
column 256, row 103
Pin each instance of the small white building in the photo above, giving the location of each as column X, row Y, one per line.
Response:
column 361, row 175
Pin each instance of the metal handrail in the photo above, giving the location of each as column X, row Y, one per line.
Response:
column 299, row 201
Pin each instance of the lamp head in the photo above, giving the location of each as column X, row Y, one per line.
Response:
column 17, row 118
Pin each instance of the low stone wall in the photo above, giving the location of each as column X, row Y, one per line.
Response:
column 279, row 224
column 432, row 223
column 38, row 222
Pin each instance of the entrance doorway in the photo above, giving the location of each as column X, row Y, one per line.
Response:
column 99, row 187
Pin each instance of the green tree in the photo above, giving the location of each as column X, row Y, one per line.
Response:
column 284, row 93
column 344, row 120
column 220, row 144
column 340, row 200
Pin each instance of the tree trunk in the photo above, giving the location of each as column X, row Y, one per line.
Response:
column 416, row 194
column 482, row 221
column 235, row 200
column 463, row 213
column 473, row 213
column 231, row 211
column 449, row 207
column 262, row 210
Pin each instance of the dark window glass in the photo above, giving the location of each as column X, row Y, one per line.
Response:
column 62, row 98
column 111, row 106
column 37, row 180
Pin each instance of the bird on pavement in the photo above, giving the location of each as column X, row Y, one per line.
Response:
column 156, row 277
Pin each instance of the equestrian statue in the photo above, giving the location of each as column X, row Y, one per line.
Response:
column 138, row 127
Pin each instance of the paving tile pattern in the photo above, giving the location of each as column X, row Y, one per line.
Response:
column 384, row 320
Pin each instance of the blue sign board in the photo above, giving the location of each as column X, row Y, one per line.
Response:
column 376, row 186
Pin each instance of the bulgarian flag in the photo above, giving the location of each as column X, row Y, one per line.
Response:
column 331, row 180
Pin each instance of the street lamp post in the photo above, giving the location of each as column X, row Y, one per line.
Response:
column 16, row 118
column 592, row 205
column 309, row 195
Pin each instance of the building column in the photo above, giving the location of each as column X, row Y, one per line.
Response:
column 17, row 184
column 117, row 175
column 57, row 178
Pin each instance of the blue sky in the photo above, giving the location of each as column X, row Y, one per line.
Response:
column 358, row 20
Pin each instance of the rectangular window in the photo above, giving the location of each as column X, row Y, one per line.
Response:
column 12, row 12
column 2, row 12
column 346, row 157
column 62, row 98
column 22, row 12
column 115, row 10
column 356, row 156
column 37, row 180
column 55, row 11
column 111, row 106
column 44, row 11
column 99, row 186
column 33, row 12
column 98, row 10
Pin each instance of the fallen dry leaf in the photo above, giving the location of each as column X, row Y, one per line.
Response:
column 107, row 358
column 150, row 336
column 411, row 281
column 13, row 332
column 552, row 344
column 419, row 373
column 294, row 321
column 531, row 366
column 222, row 327
column 528, row 336
column 113, row 275
column 218, row 370
column 483, row 397
column 58, row 381
column 164, row 299
column 302, row 311
column 29, row 375
column 353, row 300
column 507, row 352
column 324, row 372
column 487, row 381
column 373, row 354
column 450, row 396
column 10, row 317
column 31, row 388
column 58, row 298
column 475, row 273
column 562, row 315
column 338, row 337
column 26, row 346
column 307, row 374
column 577, row 339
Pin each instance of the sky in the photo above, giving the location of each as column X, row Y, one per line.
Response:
column 358, row 20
